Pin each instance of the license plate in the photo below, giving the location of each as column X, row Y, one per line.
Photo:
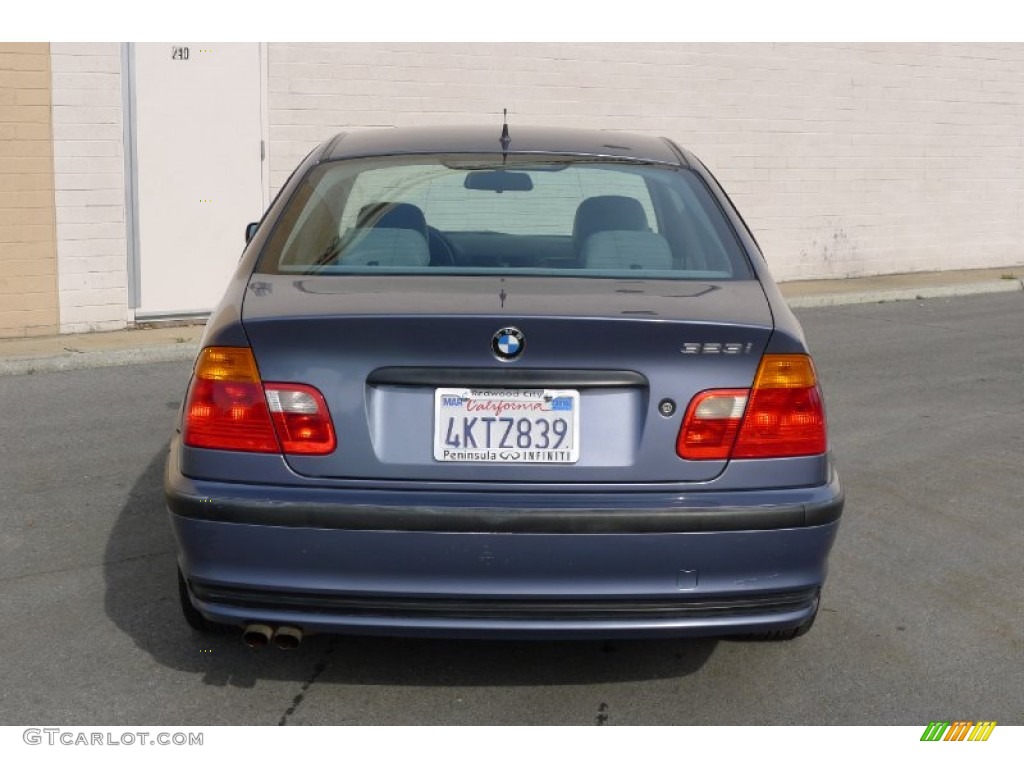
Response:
column 507, row 426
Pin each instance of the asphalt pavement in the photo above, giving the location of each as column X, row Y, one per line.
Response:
column 922, row 618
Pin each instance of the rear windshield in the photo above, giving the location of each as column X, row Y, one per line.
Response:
column 518, row 215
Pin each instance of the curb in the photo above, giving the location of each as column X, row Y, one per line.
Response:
column 163, row 353
column 906, row 294
column 179, row 352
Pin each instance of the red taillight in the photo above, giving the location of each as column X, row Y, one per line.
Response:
column 782, row 422
column 711, row 423
column 225, row 407
column 301, row 418
column 229, row 408
column 782, row 415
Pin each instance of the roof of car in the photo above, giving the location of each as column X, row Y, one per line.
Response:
column 487, row 139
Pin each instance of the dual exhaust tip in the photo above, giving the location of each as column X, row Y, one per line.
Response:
column 261, row 635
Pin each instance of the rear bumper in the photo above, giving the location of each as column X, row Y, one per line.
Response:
column 510, row 565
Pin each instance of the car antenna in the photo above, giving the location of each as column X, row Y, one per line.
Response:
column 505, row 138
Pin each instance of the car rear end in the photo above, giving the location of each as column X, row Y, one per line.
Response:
column 499, row 416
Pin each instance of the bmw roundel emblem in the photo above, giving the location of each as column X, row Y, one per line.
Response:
column 507, row 344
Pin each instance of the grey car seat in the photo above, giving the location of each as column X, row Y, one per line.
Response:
column 605, row 212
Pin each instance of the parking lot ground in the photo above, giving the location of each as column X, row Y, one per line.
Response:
column 922, row 617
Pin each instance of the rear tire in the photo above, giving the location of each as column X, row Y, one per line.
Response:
column 193, row 618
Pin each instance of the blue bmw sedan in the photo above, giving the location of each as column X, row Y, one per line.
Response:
column 531, row 383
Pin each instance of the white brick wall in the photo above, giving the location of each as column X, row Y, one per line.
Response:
column 845, row 159
column 89, row 186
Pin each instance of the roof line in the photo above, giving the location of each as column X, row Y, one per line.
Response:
column 510, row 153
column 328, row 152
column 676, row 151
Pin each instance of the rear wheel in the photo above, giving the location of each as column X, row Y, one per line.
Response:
column 194, row 618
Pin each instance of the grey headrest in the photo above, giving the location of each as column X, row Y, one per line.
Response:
column 604, row 212
column 625, row 250
column 386, row 248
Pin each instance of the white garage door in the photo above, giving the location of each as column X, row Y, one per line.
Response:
column 199, row 169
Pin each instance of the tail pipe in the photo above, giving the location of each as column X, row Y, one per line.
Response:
column 257, row 635
column 287, row 638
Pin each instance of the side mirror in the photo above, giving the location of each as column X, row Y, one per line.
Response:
column 250, row 231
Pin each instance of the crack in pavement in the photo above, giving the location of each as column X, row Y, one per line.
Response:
column 317, row 671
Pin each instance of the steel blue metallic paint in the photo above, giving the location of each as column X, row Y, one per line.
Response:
column 377, row 538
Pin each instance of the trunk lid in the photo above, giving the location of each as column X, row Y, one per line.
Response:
column 377, row 348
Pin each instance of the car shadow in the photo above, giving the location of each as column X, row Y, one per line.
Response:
column 141, row 599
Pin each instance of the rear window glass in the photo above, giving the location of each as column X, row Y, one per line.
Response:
column 517, row 215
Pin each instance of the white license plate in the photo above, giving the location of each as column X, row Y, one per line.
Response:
column 507, row 426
